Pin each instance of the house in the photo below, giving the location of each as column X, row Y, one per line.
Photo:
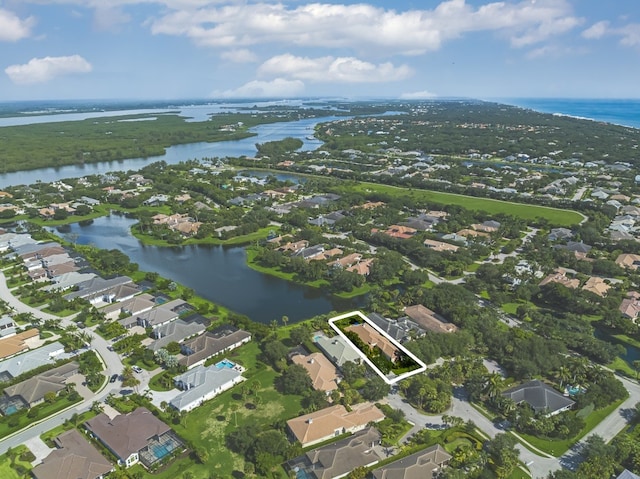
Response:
column 133, row 306
column 18, row 343
column 7, row 326
column 25, row 362
column 310, row 252
column 465, row 233
column 96, row 290
column 374, row 339
column 425, row 464
column 175, row 331
column 338, row 459
column 158, row 316
column 200, row 384
column 295, row 247
column 332, row 421
column 363, row 268
column 559, row 276
column 540, row 396
column 346, row 261
column 428, row 320
column 440, row 245
column 630, row 306
column 73, row 458
column 626, row 474
column 68, row 280
column 323, row 374
column 222, row 339
column 32, row 391
column 135, row 437
column 399, row 231
column 336, row 349
column 560, row 234
column 596, row 286
column 401, row 330
column 629, row 261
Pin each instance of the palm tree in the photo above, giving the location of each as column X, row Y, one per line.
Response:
column 494, row 385
column 563, row 374
column 285, row 320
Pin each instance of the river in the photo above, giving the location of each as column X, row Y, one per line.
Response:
column 301, row 129
column 219, row 274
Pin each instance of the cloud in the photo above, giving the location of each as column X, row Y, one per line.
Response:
column 418, row 95
column 241, row 55
column 12, row 28
column 597, row 30
column 277, row 88
column 630, row 35
column 109, row 18
column 332, row 69
column 41, row 70
column 363, row 27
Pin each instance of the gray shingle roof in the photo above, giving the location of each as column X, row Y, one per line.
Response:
column 540, row 396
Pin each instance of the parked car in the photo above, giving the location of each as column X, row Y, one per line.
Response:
column 136, row 369
column 113, row 378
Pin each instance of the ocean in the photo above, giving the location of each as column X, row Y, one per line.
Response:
column 624, row 112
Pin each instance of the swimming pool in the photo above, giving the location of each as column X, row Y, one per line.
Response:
column 225, row 363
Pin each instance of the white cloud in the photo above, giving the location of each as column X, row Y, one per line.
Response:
column 241, row 55
column 332, row 69
column 12, row 28
column 40, row 70
column 366, row 28
column 418, row 95
column 630, row 35
column 277, row 88
column 597, row 30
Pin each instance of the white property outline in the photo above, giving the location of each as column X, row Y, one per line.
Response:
column 422, row 366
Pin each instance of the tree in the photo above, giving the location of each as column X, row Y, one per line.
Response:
column 503, row 455
column 375, row 389
column 49, row 397
column 294, row 380
column 129, row 378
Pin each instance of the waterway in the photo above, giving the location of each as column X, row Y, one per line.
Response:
column 301, row 129
column 219, row 274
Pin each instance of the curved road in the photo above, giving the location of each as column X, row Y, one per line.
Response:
column 113, row 365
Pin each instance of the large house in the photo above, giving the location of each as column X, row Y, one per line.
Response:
column 332, row 421
column 32, row 391
column 18, row 343
column 175, row 331
column 540, row 396
column 323, row 374
column 222, row 339
column 336, row 349
column 630, row 306
column 338, row 459
column 201, row 384
column 35, row 358
column 73, row 458
column 629, row 261
column 428, row 320
column 98, row 290
column 374, row 339
column 425, row 464
column 135, row 437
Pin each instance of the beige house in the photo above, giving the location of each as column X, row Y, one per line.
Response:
column 372, row 338
column 440, row 245
column 596, row 286
column 323, row 374
column 333, row 421
column 428, row 320
column 627, row 260
column 561, row 277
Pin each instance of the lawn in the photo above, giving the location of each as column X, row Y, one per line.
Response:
column 6, row 471
column 206, row 426
column 259, row 235
column 555, row 216
column 558, row 447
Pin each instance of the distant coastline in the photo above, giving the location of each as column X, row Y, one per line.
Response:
column 625, row 112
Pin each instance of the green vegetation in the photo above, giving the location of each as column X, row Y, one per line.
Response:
column 555, row 216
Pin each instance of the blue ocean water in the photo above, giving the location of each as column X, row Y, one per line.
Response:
column 624, row 112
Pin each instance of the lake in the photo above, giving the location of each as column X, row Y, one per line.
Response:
column 219, row 274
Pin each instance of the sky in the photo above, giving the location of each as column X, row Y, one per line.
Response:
column 412, row 49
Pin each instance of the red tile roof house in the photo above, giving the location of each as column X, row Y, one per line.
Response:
column 134, row 437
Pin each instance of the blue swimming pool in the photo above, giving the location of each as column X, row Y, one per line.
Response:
column 225, row 363
column 10, row 410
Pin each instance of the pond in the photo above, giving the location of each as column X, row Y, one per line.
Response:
column 219, row 274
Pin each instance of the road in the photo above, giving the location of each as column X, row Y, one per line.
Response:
column 111, row 360
column 539, row 465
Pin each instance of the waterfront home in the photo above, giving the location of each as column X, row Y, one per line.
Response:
column 630, row 306
column 363, row 268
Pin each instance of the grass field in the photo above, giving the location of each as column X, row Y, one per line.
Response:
column 555, row 216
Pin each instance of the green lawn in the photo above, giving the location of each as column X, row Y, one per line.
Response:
column 235, row 240
column 207, row 425
column 555, row 216
column 6, row 471
column 558, row 447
